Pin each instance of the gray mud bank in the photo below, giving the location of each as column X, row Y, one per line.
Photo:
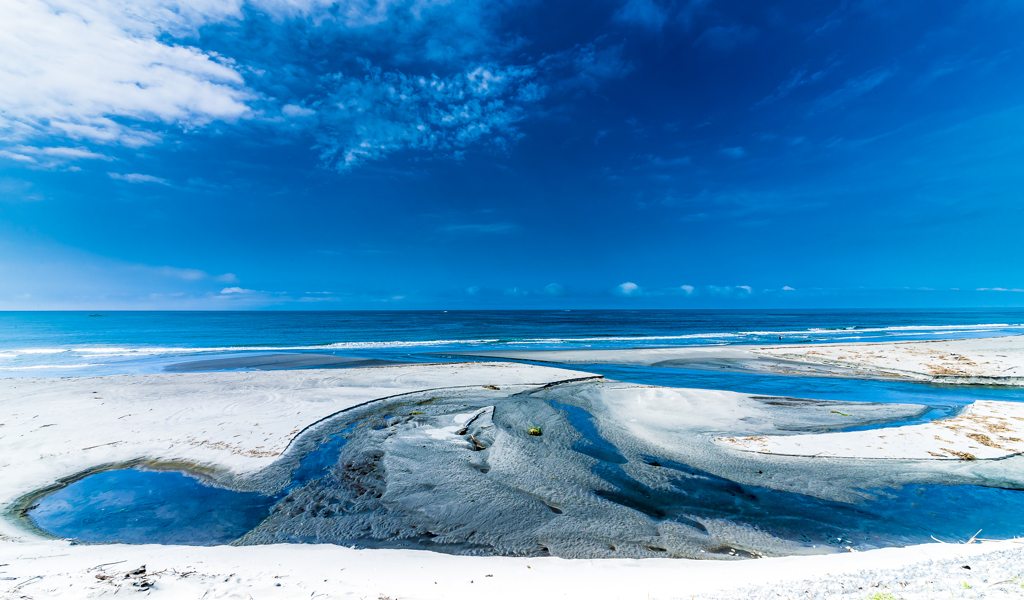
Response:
column 562, row 470
column 460, row 471
column 277, row 362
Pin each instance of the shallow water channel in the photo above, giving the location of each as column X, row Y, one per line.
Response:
column 461, row 474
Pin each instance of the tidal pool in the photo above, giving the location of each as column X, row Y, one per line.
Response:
column 136, row 506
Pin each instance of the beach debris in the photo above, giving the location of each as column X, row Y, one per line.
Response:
column 841, row 413
column 24, row 583
column 99, row 445
column 138, row 578
column 491, row 387
column 105, row 565
column 960, row 455
column 534, row 431
column 477, row 444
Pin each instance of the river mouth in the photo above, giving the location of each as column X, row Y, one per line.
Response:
column 461, row 472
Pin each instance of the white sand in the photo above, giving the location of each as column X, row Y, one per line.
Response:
column 990, row 361
column 980, row 360
column 324, row 571
column 983, row 430
column 242, row 422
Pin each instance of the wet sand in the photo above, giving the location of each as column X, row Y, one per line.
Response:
column 276, row 362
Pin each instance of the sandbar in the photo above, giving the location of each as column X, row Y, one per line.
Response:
column 979, row 361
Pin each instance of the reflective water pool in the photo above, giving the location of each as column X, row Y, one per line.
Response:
column 149, row 507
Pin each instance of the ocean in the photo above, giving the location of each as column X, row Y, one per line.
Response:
column 67, row 344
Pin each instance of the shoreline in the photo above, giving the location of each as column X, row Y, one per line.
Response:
column 968, row 361
column 314, row 396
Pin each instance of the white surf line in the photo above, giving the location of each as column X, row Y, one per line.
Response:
column 984, row 430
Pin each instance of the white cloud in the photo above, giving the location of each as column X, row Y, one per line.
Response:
column 586, row 66
column 687, row 288
column 71, row 68
column 736, row 152
column 645, row 13
column 122, row 73
column 49, row 157
column 798, row 78
column 479, row 228
column 17, row 157
column 18, row 190
column 117, row 72
column 730, row 290
column 724, row 38
column 235, row 290
column 294, row 110
column 196, row 275
column 788, row 289
column 628, row 289
column 138, row 178
column 186, row 274
column 61, row 152
column 367, row 118
column 855, row 87
column 554, row 289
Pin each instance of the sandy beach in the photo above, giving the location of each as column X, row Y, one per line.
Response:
column 57, row 570
column 232, row 426
column 984, row 361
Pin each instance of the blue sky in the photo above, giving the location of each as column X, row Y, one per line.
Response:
column 510, row 153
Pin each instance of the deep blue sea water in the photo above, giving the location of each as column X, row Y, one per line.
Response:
column 49, row 344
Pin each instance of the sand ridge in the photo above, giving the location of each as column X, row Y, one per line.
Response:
column 986, row 361
column 984, row 430
column 997, row 360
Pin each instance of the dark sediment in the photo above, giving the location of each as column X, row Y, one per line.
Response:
column 275, row 362
column 459, row 471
